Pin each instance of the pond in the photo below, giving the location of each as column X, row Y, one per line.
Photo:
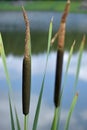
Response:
column 13, row 38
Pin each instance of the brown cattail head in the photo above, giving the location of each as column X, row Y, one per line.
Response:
column 26, row 73
column 61, row 37
column 66, row 11
column 61, row 31
column 27, row 38
column 26, row 83
column 59, row 62
column 62, row 27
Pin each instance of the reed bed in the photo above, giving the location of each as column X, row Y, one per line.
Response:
column 26, row 76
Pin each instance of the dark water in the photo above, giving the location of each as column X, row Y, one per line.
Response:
column 14, row 48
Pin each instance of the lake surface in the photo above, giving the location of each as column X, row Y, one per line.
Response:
column 14, row 46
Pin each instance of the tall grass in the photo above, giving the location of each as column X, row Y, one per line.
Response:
column 26, row 76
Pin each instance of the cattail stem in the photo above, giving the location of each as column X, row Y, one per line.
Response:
column 26, row 76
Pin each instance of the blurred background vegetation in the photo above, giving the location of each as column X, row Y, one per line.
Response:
column 43, row 5
column 40, row 0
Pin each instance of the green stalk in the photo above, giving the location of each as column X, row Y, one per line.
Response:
column 25, row 123
column 71, row 111
column 55, row 119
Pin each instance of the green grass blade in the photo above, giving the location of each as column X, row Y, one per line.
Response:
column 11, row 115
column 4, row 63
column 17, row 121
column 2, row 52
column 71, row 111
column 55, row 119
column 42, row 86
column 79, row 61
column 67, row 67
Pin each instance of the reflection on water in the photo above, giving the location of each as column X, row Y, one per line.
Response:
column 14, row 40
column 40, row 20
column 14, row 63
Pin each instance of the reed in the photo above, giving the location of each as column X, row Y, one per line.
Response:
column 26, row 77
column 59, row 62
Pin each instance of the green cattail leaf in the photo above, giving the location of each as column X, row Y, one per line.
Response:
column 2, row 52
column 17, row 120
column 42, row 86
column 11, row 115
column 67, row 67
column 79, row 61
column 25, row 122
column 49, row 41
column 55, row 119
column 71, row 111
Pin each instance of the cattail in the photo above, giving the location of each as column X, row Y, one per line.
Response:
column 26, row 76
column 59, row 61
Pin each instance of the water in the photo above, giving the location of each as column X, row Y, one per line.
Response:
column 14, row 20
column 14, row 46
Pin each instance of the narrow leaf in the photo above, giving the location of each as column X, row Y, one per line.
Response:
column 2, row 52
column 11, row 115
column 42, row 86
column 4, row 64
column 79, row 61
column 17, row 121
column 67, row 67
column 71, row 111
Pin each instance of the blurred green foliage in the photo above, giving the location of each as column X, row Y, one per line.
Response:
column 15, row 46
